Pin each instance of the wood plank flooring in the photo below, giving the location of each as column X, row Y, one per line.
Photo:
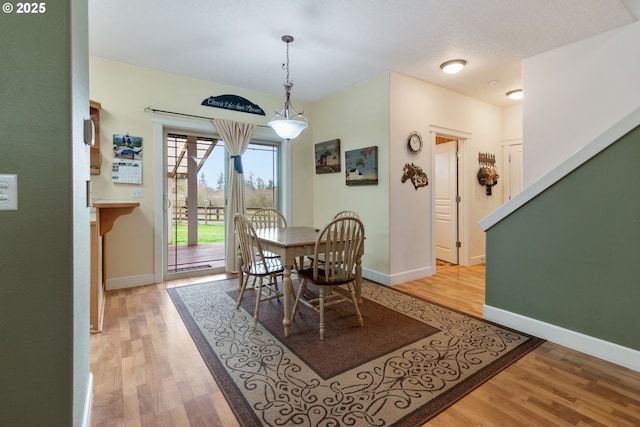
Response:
column 148, row 372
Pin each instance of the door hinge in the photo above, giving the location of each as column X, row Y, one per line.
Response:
column 458, row 199
column 458, row 244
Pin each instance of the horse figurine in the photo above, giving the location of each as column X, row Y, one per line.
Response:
column 415, row 174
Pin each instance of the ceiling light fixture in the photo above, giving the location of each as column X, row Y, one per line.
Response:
column 454, row 66
column 286, row 125
column 515, row 94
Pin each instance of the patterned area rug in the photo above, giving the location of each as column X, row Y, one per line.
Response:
column 410, row 360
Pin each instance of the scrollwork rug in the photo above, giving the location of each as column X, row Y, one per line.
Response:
column 411, row 359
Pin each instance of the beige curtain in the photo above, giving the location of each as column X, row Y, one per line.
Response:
column 236, row 137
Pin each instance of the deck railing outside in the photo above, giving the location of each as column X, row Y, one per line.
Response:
column 206, row 214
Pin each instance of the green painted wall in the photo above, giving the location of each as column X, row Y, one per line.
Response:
column 571, row 256
column 44, row 327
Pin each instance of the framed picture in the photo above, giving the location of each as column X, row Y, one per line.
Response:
column 127, row 147
column 328, row 156
column 361, row 166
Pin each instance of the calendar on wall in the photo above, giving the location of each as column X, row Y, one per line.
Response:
column 127, row 159
column 126, row 171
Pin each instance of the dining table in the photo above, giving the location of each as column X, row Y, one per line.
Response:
column 291, row 243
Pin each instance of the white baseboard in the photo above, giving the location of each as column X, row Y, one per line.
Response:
column 130, row 281
column 614, row 353
column 375, row 276
column 480, row 259
column 394, row 279
column 88, row 403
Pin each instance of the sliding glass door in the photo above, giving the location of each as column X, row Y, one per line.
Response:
column 261, row 176
column 196, row 186
column 195, row 218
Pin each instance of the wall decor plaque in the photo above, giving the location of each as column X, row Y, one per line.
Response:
column 233, row 103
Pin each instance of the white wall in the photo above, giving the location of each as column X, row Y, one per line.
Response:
column 575, row 93
column 512, row 123
column 418, row 105
column 124, row 91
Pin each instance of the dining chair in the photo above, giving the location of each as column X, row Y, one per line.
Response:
column 346, row 213
column 339, row 243
column 268, row 218
column 341, row 214
column 271, row 218
column 255, row 264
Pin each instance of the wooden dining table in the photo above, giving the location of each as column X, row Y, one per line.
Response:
column 291, row 243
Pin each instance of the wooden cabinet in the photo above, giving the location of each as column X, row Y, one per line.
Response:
column 96, row 158
column 106, row 212
column 97, row 291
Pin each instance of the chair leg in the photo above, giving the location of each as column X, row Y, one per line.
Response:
column 274, row 280
column 322, row 294
column 354, row 300
column 301, row 290
column 258, row 290
column 244, row 279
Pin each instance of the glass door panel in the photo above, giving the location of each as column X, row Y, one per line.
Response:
column 195, row 218
column 261, row 176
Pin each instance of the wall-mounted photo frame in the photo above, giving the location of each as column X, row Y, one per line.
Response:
column 127, row 147
column 361, row 166
column 328, row 156
column 127, row 159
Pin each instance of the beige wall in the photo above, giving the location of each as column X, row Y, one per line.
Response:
column 359, row 117
column 380, row 112
column 124, row 91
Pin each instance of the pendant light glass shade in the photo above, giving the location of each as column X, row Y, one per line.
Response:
column 286, row 125
column 287, row 129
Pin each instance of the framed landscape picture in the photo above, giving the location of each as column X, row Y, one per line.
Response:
column 361, row 166
column 328, row 156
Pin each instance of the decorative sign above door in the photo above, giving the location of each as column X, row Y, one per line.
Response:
column 234, row 103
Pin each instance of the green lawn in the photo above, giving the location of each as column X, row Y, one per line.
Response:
column 207, row 233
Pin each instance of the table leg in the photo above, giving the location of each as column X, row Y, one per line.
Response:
column 288, row 291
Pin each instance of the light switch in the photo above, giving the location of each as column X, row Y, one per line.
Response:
column 8, row 192
column 136, row 192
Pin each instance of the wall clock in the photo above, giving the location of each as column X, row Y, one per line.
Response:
column 414, row 142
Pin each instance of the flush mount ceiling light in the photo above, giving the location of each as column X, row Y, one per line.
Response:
column 454, row 66
column 288, row 123
column 515, row 94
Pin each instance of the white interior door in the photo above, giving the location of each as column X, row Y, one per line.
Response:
column 446, row 207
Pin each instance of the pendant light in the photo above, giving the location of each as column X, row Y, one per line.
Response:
column 288, row 123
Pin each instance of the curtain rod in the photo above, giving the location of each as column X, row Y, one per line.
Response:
column 153, row 110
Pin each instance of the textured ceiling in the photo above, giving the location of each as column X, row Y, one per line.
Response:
column 342, row 42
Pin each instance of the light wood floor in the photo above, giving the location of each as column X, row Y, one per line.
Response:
column 148, row 372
